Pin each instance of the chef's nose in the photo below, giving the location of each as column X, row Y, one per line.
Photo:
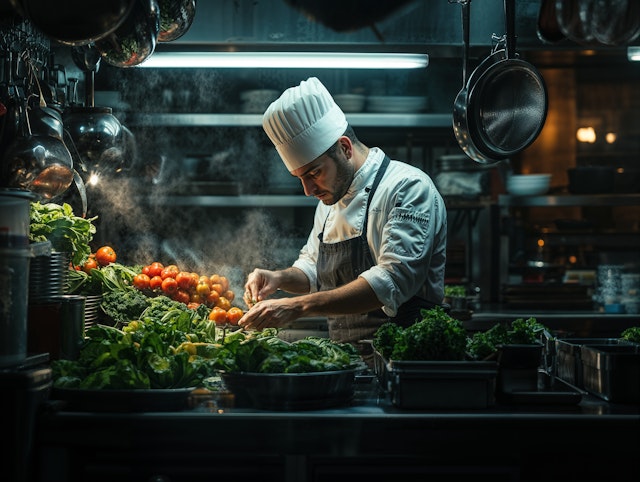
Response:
column 309, row 186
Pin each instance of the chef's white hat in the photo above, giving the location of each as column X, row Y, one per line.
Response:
column 303, row 123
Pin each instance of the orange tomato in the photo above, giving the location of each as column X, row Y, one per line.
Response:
column 105, row 256
column 225, row 283
column 218, row 315
column 212, row 298
column 203, row 289
column 141, row 281
column 230, row 295
column 224, row 303
column 192, row 305
column 214, row 278
column 217, row 287
column 204, row 279
column 155, row 282
column 234, row 314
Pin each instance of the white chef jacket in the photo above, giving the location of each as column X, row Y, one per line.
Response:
column 407, row 232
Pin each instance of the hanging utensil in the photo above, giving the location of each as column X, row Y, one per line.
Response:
column 574, row 18
column 507, row 100
column 41, row 164
column 135, row 40
column 76, row 22
column 615, row 22
column 176, row 17
column 462, row 124
column 549, row 30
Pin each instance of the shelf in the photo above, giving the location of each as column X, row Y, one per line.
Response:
column 570, row 200
column 243, row 201
column 249, row 120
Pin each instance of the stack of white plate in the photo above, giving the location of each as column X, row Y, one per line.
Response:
column 48, row 276
column 350, row 102
column 528, row 184
column 399, row 104
column 257, row 101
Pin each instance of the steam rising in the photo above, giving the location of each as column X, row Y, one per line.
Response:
column 142, row 211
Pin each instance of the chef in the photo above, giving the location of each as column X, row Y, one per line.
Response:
column 376, row 251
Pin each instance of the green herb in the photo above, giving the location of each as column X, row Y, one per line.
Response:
column 66, row 232
column 455, row 291
column 484, row 344
column 631, row 334
column 437, row 336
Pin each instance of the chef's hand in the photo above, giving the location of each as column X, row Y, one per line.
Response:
column 270, row 314
column 260, row 284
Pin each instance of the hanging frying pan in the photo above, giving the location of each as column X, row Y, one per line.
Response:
column 506, row 100
column 463, row 125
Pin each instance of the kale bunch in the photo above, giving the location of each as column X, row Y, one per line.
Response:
column 631, row 334
column 484, row 344
column 437, row 336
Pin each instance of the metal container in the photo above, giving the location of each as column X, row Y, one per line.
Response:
column 568, row 363
column 14, row 295
column 612, row 372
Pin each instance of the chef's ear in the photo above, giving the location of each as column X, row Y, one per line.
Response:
column 346, row 146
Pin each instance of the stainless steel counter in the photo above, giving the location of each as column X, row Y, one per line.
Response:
column 592, row 440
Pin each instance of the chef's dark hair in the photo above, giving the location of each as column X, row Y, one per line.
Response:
column 350, row 133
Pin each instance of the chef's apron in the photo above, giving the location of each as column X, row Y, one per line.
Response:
column 342, row 262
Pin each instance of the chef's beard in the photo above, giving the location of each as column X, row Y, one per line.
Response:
column 345, row 173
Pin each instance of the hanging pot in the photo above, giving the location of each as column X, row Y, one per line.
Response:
column 97, row 136
column 135, row 40
column 574, row 18
column 506, row 100
column 41, row 164
column 176, row 17
column 549, row 30
column 615, row 22
column 75, row 22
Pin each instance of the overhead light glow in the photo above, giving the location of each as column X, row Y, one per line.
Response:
column 633, row 54
column 286, row 60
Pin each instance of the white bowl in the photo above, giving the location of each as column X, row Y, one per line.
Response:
column 528, row 184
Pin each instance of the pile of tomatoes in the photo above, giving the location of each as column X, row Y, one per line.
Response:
column 192, row 289
column 103, row 256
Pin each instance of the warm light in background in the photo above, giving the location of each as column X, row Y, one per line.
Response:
column 541, row 243
column 610, row 137
column 586, row 134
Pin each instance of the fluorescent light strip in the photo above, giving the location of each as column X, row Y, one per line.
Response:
column 284, row 60
column 633, row 54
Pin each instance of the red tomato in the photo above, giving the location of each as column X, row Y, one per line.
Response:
column 155, row 282
column 89, row 264
column 182, row 296
column 146, row 269
column 170, row 271
column 141, row 281
column 192, row 305
column 184, row 280
column 155, row 269
column 169, row 285
column 105, row 256
column 234, row 314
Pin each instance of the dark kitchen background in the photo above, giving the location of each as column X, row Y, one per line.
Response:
column 199, row 183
